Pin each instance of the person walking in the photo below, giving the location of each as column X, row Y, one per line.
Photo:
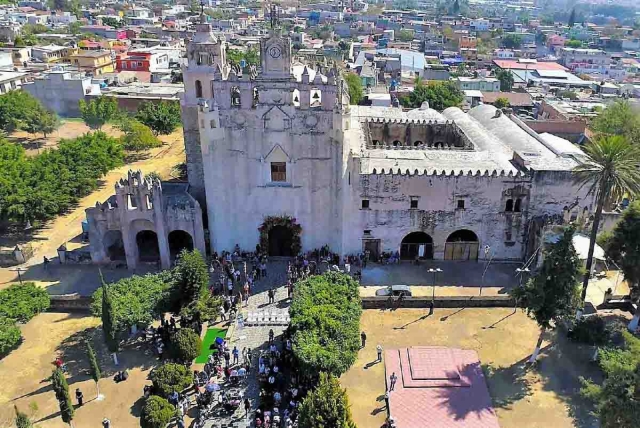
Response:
column 236, row 354
column 392, row 379
column 106, row 423
column 247, row 407
column 363, row 339
column 379, row 349
column 227, row 357
column 271, row 293
column 79, row 396
column 386, row 402
column 271, row 334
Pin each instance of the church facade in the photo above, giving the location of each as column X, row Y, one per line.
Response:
column 276, row 156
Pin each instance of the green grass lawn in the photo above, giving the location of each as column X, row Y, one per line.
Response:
column 208, row 340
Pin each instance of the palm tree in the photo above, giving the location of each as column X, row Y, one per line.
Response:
column 611, row 171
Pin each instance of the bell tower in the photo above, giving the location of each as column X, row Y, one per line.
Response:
column 275, row 52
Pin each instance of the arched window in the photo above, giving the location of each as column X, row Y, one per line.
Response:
column 517, row 206
column 509, row 206
column 417, row 143
column 397, row 143
column 198, row 89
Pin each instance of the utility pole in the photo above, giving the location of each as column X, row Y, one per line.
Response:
column 19, row 270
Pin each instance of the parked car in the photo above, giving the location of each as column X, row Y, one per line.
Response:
column 394, row 290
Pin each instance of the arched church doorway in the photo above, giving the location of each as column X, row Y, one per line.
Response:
column 148, row 248
column 416, row 244
column 461, row 245
column 114, row 245
column 280, row 241
column 179, row 240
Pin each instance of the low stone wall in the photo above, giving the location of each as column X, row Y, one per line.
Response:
column 439, row 302
column 70, row 303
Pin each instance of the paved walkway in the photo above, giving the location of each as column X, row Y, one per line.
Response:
column 256, row 338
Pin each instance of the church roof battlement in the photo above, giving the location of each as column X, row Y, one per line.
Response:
column 450, row 173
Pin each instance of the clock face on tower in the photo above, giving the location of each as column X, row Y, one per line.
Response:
column 275, row 52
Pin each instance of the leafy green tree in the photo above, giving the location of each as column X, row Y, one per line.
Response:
column 617, row 399
column 354, row 85
column 440, row 95
column 98, row 111
column 157, row 412
column 205, row 307
column 326, row 406
column 170, row 377
column 41, row 121
column 22, row 420
column 112, row 22
column 42, row 186
column 552, row 294
column 24, row 301
column 325, row 324
column 15, row 108
column 191, row 276
column 108, row 326
column 136, row 300
column 624, row 247
column 61, row 388
column 568, row 94
column 10, row 335
column 185, row 345
column 501, row 102
column 138, row 136
column 506, row 80
column 611, row 171
column 573, row 43
column 163, row 118
column 405, row 35
column 618, row 119
column 512, row 41
column 94, row 367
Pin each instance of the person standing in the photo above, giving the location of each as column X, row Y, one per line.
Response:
column 79, row 396
column 106, row 423
column 247, row 407
column 386, row 402
column 379, row 349
column 236, row 354
column 363, row 339
column 393, row 379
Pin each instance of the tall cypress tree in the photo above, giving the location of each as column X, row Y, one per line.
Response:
column 108, row 326
column 94, row 367
column 572, row 17
column 61, row 388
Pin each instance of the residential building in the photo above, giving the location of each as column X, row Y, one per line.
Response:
column 93, row 62
column 483, row 84
column 52, row 53
column 584, row 60
column 60, row 91
column 11, row 80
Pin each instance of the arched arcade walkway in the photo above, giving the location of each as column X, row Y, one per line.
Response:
column 461, row 245
column 416, row 244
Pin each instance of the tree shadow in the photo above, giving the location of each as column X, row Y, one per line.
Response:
column 136, row 407
column 402, row 327
column 49, row 417
column 560, row 369
column 508, row 384
column 462, row 401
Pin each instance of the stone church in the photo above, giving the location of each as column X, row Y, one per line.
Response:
column 276, row 156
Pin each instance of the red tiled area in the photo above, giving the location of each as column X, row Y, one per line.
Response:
column 433, row 396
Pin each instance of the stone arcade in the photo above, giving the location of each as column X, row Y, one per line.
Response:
column 282, row 141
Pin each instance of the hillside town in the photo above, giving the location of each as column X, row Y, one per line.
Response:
column 336, row 214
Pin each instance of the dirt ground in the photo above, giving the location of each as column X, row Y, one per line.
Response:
column 70, row 128
column 543, row 396
column 25, row 370
column 67, row 228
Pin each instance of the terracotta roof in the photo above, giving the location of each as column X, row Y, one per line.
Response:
column 516, row 99
column 513, row 64
column 438, row 387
